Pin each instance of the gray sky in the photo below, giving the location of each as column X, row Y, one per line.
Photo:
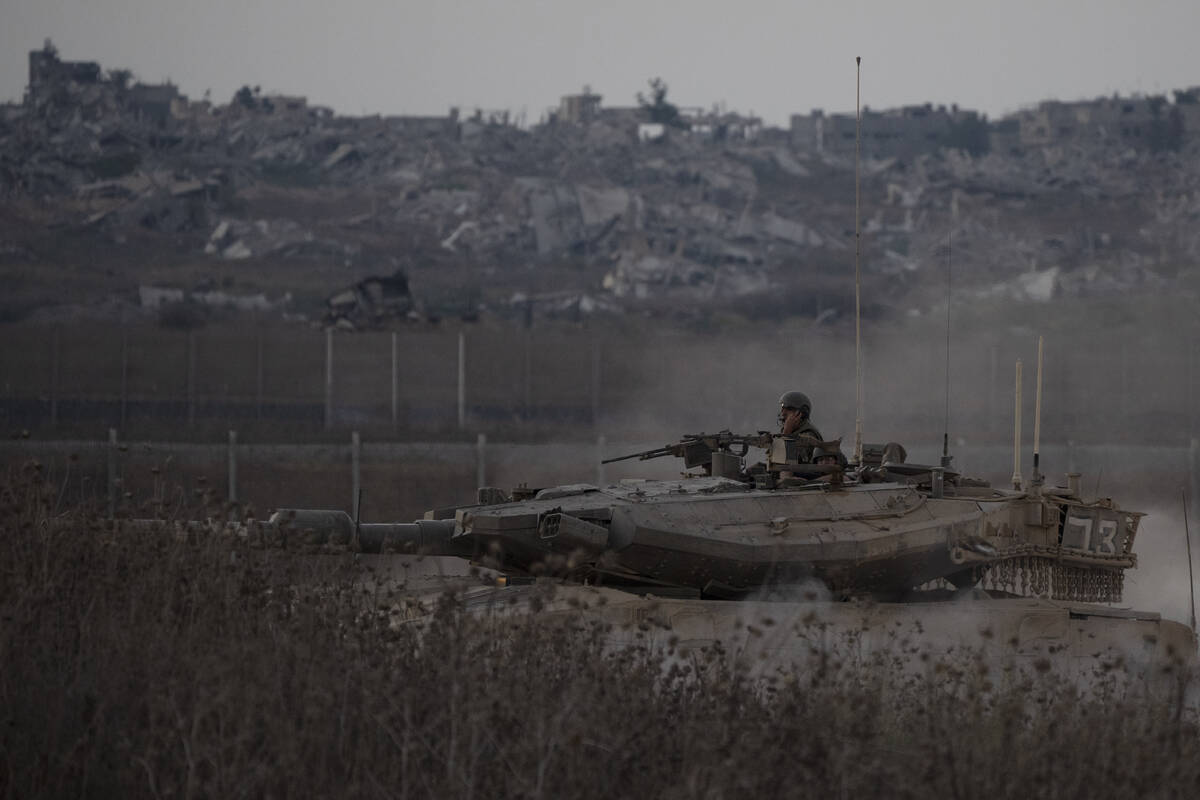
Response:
column 767, row 56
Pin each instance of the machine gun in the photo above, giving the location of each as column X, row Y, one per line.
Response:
column 697, row 450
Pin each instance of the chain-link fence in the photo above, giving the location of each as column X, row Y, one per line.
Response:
column 575, row 382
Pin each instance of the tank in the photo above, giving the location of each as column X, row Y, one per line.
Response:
column 783, row 564
column 885, row 528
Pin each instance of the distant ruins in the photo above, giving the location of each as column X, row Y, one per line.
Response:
column 625, row 206
column 1142, row 123
column 1150, row 122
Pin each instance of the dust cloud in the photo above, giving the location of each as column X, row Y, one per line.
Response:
column 1112, row 376
column 1161, row 581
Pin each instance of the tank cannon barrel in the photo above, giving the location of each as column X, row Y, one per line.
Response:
column 427, row 536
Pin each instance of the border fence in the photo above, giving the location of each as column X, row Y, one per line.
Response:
column 401, row 480
column 58, row 377
column 279, row 383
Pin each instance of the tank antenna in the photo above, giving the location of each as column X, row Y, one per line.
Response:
column 1191, row 580
column 1037, row 419
column 1016, row 476
column 858, row 420
column 946, row 432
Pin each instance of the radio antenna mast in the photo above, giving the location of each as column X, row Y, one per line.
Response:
column 858, row 420
column 946, row 432
column 1037, row 420
column 1016, row 476
column 1187, row 535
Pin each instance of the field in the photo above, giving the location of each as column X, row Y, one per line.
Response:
column 147, row 666
column 141, row 665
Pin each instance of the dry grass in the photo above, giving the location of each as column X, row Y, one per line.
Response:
column 141, row 665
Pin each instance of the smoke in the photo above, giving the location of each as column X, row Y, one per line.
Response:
column 1109, row 378
column 1161, row 581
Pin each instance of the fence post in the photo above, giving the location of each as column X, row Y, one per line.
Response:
column 462, row 379
column 992, row 408
column 395, row 382
column 328, row 378
column 55, row 347
column 112, row 472
column 527, row 378
column 1194, row 474
column 481, row 460
column 124, row 374
column 600, row 446
column 596, row 382
column 191, row 378
column 1191, row 388
column 233, row 498
column 1124, row 379
column 355, row 476
column 258, row 375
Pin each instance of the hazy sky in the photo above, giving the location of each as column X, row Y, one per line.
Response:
column 767, row 56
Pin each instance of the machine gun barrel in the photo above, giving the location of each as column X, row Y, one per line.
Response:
column 657, row 452
column 695, row 447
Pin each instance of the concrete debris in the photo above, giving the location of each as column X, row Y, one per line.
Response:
column 788, row 163
column 788, row 230
column 1041, row 286
column 464, row 227
column 156, row 297
column 571, row 306
column 245, row 302
column 160, row 200
column 237, row 240
column 648, row 277
column 343, row 152
column 651, row 132
column 554, row 215
column 598, row 207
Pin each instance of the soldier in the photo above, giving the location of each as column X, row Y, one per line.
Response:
column 829, row 454
column 794, row 410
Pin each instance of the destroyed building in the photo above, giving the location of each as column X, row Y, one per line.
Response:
column 155, row 103
column 579, row 109
column 1140, row 122
column 895, row 133
column 47, row 71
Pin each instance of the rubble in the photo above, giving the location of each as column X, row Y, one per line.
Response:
column 237, row 240
column 773, row 225
column 561, row 305
column 680, row 279
column 638, row 214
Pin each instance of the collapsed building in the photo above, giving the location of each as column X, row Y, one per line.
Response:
column 902, row 133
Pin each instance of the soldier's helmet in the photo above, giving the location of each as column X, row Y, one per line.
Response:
column 826, row 455
column 796, row 400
